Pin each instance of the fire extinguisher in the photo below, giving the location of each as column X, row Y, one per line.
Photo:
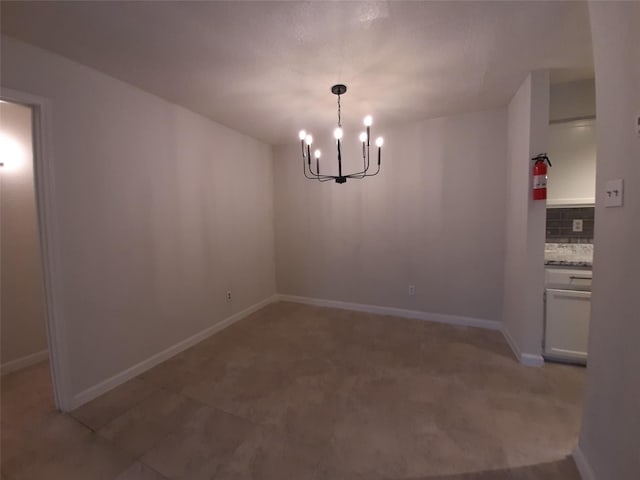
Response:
column 540, row 176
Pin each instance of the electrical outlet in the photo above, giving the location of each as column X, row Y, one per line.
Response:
column 412, row 290
column 228, row 295
column 577, row 225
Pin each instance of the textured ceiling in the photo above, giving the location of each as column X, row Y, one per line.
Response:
column 265, row 68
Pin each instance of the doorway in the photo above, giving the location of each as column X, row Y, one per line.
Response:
column 570, row 221
column 26, row 326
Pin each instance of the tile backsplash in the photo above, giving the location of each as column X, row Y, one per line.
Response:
column 560, row 225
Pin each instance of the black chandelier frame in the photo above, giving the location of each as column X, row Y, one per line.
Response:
column 307, row 140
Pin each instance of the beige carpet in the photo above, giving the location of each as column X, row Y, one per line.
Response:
column 299, row 392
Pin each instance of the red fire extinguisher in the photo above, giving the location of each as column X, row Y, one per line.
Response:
column 540, row 176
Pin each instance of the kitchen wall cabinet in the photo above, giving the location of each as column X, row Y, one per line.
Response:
column 572, row 149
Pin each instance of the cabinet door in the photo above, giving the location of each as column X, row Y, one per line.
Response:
column 567, row 324
column 572, row 149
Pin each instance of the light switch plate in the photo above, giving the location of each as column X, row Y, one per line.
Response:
column 613, row 193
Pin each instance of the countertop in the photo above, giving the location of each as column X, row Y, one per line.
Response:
column 575, row 255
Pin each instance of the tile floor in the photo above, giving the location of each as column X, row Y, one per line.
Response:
column 299, row 392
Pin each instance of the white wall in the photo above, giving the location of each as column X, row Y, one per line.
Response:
column 159, row 212
column 433, row 218
column 610, row 438
column 22, row 303
column 528, row 118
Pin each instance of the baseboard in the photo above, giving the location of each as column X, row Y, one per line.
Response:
column 531, row 360
column 112, row 382
column 23, row 362
column 398, row 312
column 586, row 472
column 528, row 359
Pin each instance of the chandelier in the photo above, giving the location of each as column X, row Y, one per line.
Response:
column 306, row 140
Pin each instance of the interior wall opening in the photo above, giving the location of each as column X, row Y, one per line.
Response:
column 24, row 343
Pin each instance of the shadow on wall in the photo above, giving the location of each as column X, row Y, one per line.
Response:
column 564, row 469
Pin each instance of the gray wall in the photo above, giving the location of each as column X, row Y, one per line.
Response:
column 572, row 100
column 528, row 118
column 158, row 213
column 433, row 218
column 22, row 303
column 610, row 438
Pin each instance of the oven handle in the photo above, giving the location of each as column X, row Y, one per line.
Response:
column 574, row 277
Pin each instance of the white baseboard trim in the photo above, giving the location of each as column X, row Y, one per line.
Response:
column 23, row 362
column 528, row 359
column 531, row 360
column 586, row 472
column 398, row 312
column 112, row 382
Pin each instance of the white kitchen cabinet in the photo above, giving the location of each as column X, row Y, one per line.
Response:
column 572, row 150
column 567, row 317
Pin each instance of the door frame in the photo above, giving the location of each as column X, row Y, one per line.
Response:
column 44, row 186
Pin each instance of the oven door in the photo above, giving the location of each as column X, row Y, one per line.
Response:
column 567, row 315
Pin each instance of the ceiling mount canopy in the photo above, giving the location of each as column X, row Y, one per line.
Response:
column 339, row 89
column 306, row 140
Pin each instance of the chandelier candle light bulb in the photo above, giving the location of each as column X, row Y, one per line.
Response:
column 367, row 123
column 338, row 134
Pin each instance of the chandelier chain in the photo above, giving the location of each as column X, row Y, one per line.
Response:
column 339, row 117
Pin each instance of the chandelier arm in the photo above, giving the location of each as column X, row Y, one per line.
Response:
column 360, row 175
column 364, row 156
column 339, row 159
column 304, row 169
column 316, row 175
column 378, row 170
column 364, row 173
column 368, row 152
column 373, row 174
column 366, row 169
column 304, row 158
